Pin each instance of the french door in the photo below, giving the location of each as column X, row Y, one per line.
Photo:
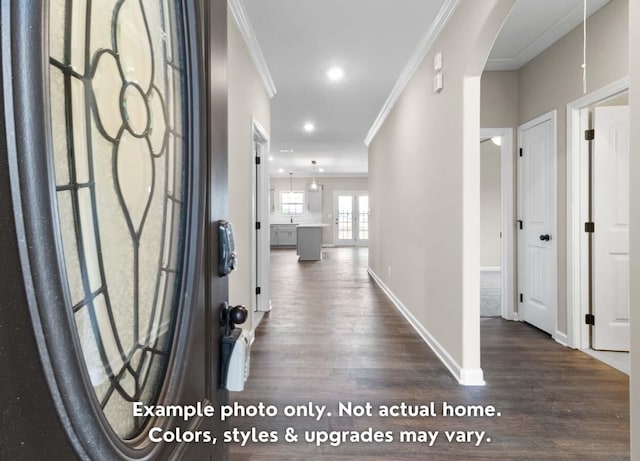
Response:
column 351, row 211
column 112, row 178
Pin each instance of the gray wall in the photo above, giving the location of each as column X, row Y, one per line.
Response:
column 490, row 209
column 247, row 97
column 424, row 166
column 634, row 237
column 499, row 99
column 554, row 78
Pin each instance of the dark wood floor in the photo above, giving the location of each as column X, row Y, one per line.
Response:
column 333, row 336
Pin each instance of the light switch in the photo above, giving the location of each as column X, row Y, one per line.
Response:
column 437, row 62
column 437, row 83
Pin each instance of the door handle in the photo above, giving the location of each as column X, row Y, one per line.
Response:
column 545, row 237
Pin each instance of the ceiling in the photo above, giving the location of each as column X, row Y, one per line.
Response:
column 533, row 26
column 373, row 41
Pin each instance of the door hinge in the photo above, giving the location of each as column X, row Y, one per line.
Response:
column 258, row 161
column 258, row 226
column 520, row 223
column 589, row 135
column 521, row 152
column 589, row 227
column 521, row 298
column 258, row 290
column 590, row 319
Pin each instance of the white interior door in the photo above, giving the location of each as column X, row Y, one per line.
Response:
column 611, row 236
column 537, row 265
column 351, row 211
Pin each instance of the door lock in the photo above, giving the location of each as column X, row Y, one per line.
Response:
column 233, row 348
column 231, row 316
column 545, row 237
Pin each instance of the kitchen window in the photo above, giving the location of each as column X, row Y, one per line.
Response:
column 291, row 202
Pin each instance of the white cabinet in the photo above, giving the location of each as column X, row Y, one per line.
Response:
column 284, row 235
column 315, row 200
column 287, row 235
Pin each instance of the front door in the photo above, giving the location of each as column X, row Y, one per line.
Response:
column 537, row 266
column 611, row 236
column 351, row 211
column 113, row 177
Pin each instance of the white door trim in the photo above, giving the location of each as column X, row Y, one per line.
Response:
column 551, row 116
column 507, row 201
column 260, row 210
column 577, row 200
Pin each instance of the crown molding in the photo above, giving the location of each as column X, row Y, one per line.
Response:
column 246, row 30
column 554, row 33
column 410, row 68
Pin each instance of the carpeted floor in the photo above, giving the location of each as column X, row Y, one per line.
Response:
column 490, row 297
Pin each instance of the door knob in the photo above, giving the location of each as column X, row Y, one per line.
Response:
column 231, row 316
column 545, row 237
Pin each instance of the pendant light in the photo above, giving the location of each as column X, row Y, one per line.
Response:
column 314, row 181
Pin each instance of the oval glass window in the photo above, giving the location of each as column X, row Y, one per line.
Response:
column 117, row 96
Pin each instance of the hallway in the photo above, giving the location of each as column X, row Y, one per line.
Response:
column 333, row 336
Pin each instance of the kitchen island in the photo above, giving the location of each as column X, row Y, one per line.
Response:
column 309, row 241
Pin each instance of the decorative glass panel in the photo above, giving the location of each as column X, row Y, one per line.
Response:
column 120, row 159
column 345, row 217
column 363, row 217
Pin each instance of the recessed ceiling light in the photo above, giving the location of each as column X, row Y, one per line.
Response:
column 309, row 127
column 335, row 73
column 271, row 159
column 280, row 170
column 285, row 151
column 321, row 170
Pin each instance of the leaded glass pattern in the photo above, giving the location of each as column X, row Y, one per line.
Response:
column 117, row 84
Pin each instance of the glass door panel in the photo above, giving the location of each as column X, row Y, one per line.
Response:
column 351, row 211
column 363, row 220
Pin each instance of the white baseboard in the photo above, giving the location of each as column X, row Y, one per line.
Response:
column 561, row 338
column 328, row 245
column 472, row 377
column 252, row 337
column 465, row 376
column 512, row 317
column 490, row 268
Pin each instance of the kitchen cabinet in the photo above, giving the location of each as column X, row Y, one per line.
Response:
column 309, row 246
column 283, row 235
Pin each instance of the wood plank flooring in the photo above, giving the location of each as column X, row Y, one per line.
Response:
column 333, row 336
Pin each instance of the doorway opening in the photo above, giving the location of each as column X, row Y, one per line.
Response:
column 497, row 240
column 351, row 212
column 490, row 228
